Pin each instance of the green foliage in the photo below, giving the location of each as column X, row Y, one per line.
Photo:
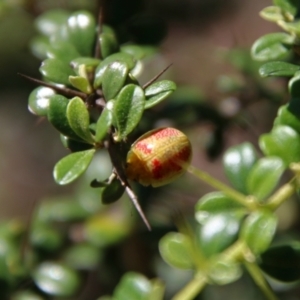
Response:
column 92, row 95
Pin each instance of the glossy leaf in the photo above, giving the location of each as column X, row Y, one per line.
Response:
column 57, row 116
column 104, row 122
column 79, row 119
column 238, row 162
column 63, row 51
column 133, row 286
column 215, row 203
column 258, row 230
column 56, row 279
column 218, row 233
column 39, row 46
column 51, row 21
column 116, row 57
column 158, row 91
column 284, row 142
column 286, row 117
column 264, row 176
column 39, row 100
column 82, row 256
column 225, row 272
column 72, row 166
column 112, row 192
column 73, row 145
column 80, row 83
column 272, row 46
column 291, row 27
column 175, row 249
column 289, row 6
column 108, row 43
column 128, row 109
column 114, row 79
column 272, row 13
column 56, row 70
column 82, row 32
column 278, row 68
column 282, row 262
column 138, row 51
column 90, row 63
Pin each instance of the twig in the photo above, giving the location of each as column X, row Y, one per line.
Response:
column 64, row 91
column 156, row 77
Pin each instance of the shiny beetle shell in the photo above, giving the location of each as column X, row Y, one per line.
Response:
column 154, row 159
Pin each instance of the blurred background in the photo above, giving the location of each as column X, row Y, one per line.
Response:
column 221, row 101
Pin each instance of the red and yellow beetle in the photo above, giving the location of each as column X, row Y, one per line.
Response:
column 157, row 157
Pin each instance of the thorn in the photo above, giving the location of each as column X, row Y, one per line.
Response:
column 64, row 91
column 156, row 77
column 137, row 206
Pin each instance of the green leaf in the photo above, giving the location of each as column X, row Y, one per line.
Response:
column 286, row 117
column 116, row 57
column 39, row 46
column 39, row 100
column 90, row 63
column 282, row 261
column 218, row 232
column 128, row 109
column 225, row 271
column 72, row 166
column 114, row 79
column 294, row 86
column 108, row 43
column 51, row 21
column 158, row 91
column 264, row 176
column 238, row 162
column 82, row 256
column 278, row 68
column 272, row 46
column 112, row 192
column 272, row 14
column 56, row 279
column 215, row 203
column 63, row 51
column 80, row 83
column 73, row 145
column 104, row 122
column 258, row 230
column 45, row 238
column 56, row 71
column 290, row 6
column 284, row 142
column 175, row 248
column 138, row 51
column 57, row 116
column 133, row 286
column 81, row 30
column 79, row 119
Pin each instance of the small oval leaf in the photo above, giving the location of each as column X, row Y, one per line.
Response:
column 72, row 166
column 258, row 230
column 175, row 249
column 112, row 192
column 103, row 124
column 238, row 161
column 278, row 68
column 264, row 176
column 56, row 279
column 128, row 109
column 158, row 91
column 56, row 70
column 79, row 119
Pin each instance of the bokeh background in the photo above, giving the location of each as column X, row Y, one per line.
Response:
column 205, row 41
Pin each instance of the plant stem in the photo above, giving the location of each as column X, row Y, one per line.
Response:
column 192, row 289
column 260, row 280
column 235, row 195
column 284, row 193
